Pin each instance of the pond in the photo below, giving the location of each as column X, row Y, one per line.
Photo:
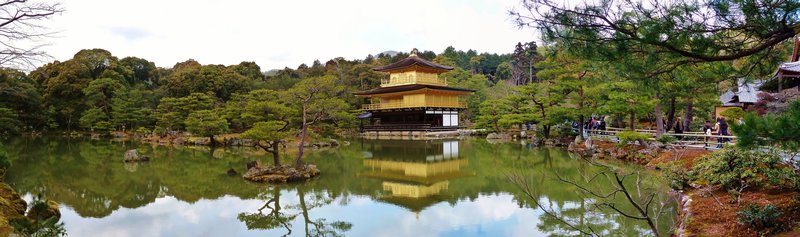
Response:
column 367, row 188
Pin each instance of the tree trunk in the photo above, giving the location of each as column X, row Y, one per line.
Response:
column 633, row 120
column 687, row 117
column 544, row 117
column 496, row 125
column 303, row 132
column 546, row 131
column 659, row 118
column 530, row 71
column 276, row 159
column 276, row 196
column 670, row 115
column 580, row 105
column 212, row 142
column 304, row 208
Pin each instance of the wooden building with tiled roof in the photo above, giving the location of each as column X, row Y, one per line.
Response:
column 788, row 74
column 413, row 98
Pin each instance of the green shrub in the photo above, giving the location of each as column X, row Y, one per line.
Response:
column 736, row 169
column 781, row 131
column 666, row 139
column 631, row 136
column 159, row 130
column 102, row 127
column 733, row 114
column 679, row 177
column 4, row 161
column 763, row 220
column 564, row 130
column 142, row 131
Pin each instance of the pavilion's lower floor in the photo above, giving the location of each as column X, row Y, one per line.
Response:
column 411, row 120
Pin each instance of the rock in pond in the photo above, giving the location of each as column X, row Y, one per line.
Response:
column 232, row 172
column 133, row 156
column 495, row 136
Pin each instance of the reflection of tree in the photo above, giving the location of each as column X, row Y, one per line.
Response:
column 273, row 219
column 321, row 227
column 90, row 177
column 577, row 214
column 609, row 192
column 277, row 218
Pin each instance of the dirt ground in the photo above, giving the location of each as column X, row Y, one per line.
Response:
column 686, row 157
column 714, row 213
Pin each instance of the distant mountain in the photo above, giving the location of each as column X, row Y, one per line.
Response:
column 391, row 53
column 272, row 72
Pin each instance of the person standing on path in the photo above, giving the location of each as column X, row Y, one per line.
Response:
column 722, row 130
column 707, row 130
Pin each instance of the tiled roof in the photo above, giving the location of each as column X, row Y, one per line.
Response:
column 746, row 93
column 411, row 61
column 383, row 90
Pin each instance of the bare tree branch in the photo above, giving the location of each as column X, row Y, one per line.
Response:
column 643, row 203
column 21, row 33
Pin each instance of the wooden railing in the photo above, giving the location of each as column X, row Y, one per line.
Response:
column 407, row 127
column 413, row 80
column 399, row 105
column 686, row 139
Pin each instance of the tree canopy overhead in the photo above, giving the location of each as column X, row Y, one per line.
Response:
column 697, row 31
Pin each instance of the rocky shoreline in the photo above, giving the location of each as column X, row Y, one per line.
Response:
column 13, row 209
column 553, row 142
column 641, row 154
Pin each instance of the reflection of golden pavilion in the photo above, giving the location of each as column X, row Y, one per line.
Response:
column 414, row 172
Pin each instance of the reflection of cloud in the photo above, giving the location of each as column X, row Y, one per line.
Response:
column 495, row 215
column 489, row 215
column 167, row 217
column 501, row 207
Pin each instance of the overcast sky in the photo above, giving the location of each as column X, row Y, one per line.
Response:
column 276, row 34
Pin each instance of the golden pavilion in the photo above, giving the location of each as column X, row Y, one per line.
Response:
column 413, row 98
column 414, row 174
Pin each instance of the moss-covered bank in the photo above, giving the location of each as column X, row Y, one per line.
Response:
column 13, row 209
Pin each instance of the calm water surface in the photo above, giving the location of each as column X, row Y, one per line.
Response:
column 369, row 188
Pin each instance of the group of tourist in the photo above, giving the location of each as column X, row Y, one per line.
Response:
column 596, row 124
column 719, row 128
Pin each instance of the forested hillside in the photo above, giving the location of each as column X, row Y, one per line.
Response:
column 99, row 92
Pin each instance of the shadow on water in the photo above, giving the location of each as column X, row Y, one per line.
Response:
column 395, row 179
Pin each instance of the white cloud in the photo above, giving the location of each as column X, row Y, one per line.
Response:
column 276, row 34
